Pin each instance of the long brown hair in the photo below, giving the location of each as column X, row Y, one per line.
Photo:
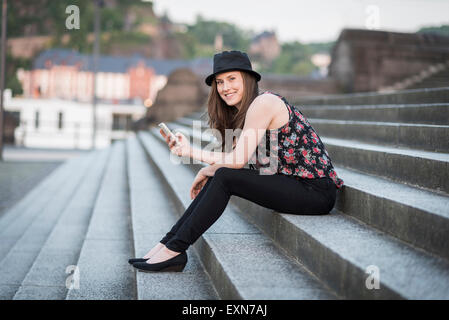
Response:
column 222, row 116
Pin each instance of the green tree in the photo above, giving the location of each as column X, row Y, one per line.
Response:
column 442, row 30
column 294, row 59
column 321, row 47
column 233, row 37
column 13, row 64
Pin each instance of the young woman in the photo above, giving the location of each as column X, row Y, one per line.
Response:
column 301, row 181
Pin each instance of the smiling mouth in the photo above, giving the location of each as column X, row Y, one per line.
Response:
column 229, row 95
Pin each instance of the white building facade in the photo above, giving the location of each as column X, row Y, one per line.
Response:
column 55, row 123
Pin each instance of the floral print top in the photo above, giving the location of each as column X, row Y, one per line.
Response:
column 300, row 151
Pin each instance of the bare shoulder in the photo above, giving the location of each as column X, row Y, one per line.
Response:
column 268, row 102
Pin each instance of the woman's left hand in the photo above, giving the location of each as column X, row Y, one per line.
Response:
column 200, row 180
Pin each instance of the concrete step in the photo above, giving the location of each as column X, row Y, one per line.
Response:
column 416, row 136
column 422, row 169
column 191, row 122
column 411, row 214
column 238, row 271
column 342, row 254
column 201, row 114
column 435, row 83
column 104, row 272
column 416, row 216
column 47, row 278
column 152, row 217
column 431, row 113
column 430, row 95
column 18, row 261
column 433, row 138
column 340, row 251
column 15, row 221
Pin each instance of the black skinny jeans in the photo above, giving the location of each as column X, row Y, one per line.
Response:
column 278, row 192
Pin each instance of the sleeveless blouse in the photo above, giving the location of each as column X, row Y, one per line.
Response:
column 296, row 150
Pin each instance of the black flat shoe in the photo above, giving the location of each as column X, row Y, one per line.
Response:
column 134, row 260
column 175, row 264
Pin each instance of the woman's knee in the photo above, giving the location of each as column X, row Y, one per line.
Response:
column 225, row 176
column 222, row 173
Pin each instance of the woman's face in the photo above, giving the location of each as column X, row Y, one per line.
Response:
column 230, row 87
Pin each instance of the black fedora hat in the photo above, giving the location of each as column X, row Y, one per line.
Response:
column 229, row 61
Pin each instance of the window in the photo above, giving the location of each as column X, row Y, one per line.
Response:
column 36, row 120
column 60, row 120
column 121, row 122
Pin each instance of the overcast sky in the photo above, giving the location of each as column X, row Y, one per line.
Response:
column 311, row 20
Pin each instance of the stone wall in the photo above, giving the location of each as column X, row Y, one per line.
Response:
column 293, row 87
column 366, row 60
column 182, row 95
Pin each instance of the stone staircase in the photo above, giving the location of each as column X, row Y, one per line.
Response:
column 390, row 225
column 435, row 76
column 438, row 79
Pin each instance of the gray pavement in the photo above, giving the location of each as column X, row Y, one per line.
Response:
column 23, row 169
column 18, row 178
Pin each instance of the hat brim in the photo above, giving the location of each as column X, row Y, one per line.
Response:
column 211, row 77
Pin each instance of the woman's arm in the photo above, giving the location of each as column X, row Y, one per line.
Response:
column 258, row 117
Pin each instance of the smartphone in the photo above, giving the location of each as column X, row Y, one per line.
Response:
column 166, row 130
